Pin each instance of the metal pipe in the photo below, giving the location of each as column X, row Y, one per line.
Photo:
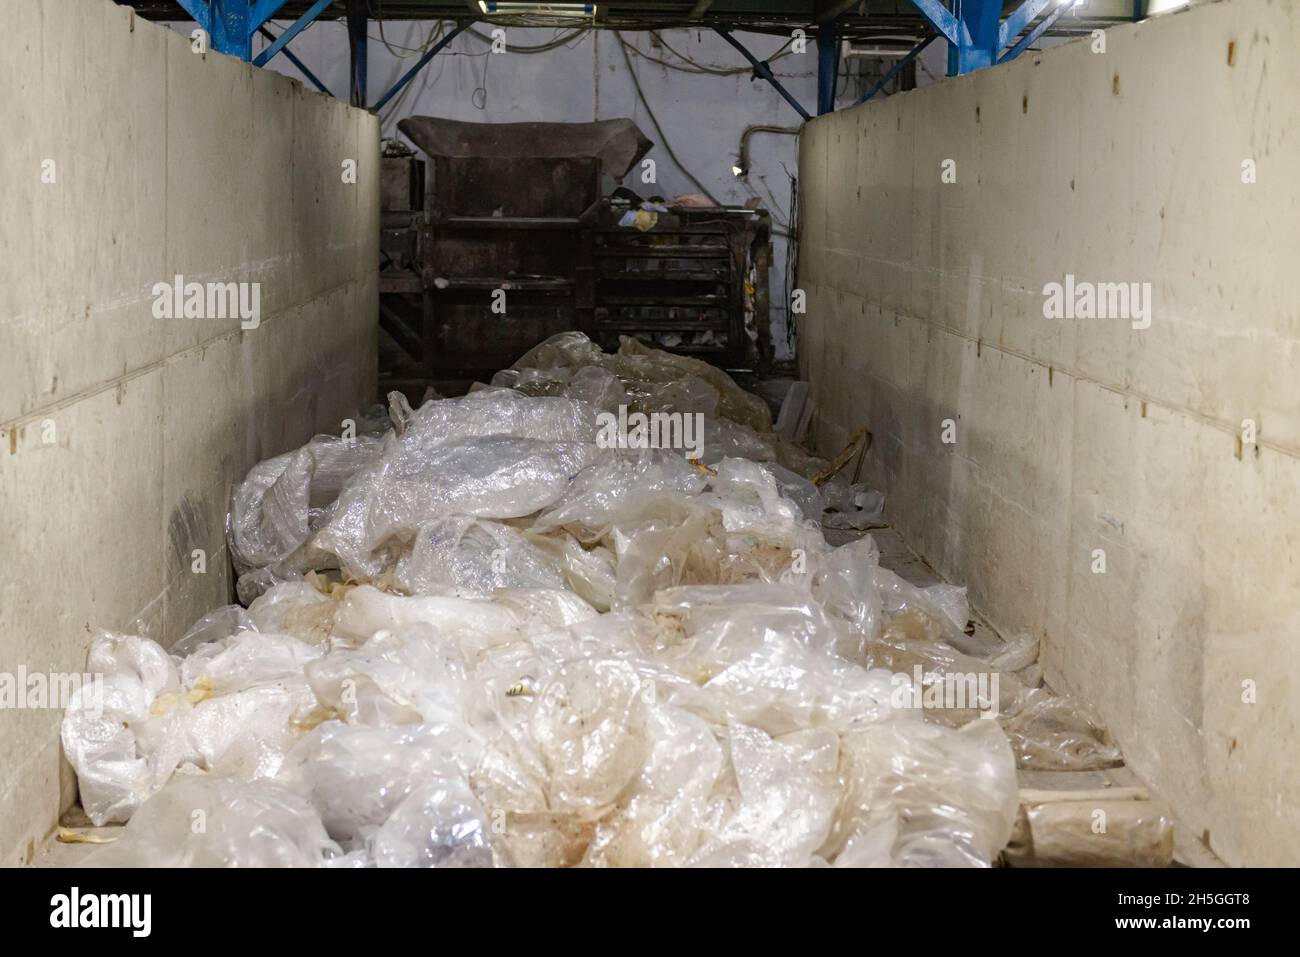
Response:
column 763, row 71
column 420, row 64
column 742, row 158
column 897, row 68
column 888, row 53
column 302, row 67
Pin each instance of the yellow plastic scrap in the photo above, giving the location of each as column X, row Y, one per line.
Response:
column 201, row 691
column 316, row 716
column 67, row 835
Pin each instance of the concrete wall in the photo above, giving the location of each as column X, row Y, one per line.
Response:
column 926, row 303
column 121, row 434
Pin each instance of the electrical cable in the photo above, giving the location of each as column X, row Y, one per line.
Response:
column 697, row 67
column 482, row 88
column 535, row 48
column 663, row 140
column 782, row 228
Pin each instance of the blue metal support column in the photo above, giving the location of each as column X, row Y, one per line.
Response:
column 231, row 23
column 357, row 18
column 406, row 78
column 979, row 42
column 763, row 72
column 897, row 68
column 974, row 35
column 828, row 65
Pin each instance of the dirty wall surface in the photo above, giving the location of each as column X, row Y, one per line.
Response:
column 1125, row 488
column 130, row 160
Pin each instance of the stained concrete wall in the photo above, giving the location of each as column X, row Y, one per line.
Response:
column 926, row 303
column 121, row 434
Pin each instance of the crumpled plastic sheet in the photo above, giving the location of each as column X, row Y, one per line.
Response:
column 480, row 640
column 283, row 499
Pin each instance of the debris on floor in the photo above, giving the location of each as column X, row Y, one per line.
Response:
column 1115, row 827
column 584, row 615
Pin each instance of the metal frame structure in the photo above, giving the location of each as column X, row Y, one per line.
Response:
column 977, row 32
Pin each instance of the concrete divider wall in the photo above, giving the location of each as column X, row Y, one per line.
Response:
column 129, row 159
column 1078, row 437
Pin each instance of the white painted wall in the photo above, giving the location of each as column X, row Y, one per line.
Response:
column 926, row 303
column 121, row 434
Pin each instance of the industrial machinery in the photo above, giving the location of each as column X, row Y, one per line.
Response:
column 506, row 234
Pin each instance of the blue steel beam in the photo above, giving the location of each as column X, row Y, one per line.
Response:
column 897, row 68
column 420, row 64
column 230, row 28
column 979, row 36
column 295, row 28
column 828, row 65
column 1020, row 18
column 1035, row 33
column 940, row 18
column 763, row 71
column 974, row 35
column 262, row 10
column 302, row 67
column 357, row 16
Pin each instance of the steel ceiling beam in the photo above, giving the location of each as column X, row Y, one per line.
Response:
column 763, row 71
column 302, row 67
column 421, row 63
column 291, row 31
column 1035, row 33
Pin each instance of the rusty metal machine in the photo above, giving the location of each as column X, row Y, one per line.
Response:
column 505, row 234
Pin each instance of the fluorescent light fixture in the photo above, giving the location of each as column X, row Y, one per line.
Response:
column 539, row 9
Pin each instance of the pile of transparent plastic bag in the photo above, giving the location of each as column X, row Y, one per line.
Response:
column 484, row 637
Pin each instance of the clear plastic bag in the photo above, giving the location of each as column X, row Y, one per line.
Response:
column 1060, row 733
column 439, row 824
column 460, row 551
column 282, row 500
column 356, row 776
column 107, row 719
column 495, row 476
column 546, row 653
column 211, row 821
column 922, row 795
